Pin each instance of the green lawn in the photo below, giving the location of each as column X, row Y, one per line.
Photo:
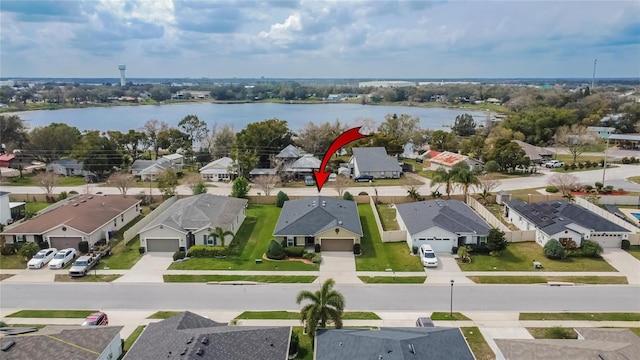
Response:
column 123, row 255
column 256, row 278
column 498, row 210
column 72, row 314
column 378, row 256
column 393, row 279
column 555, row 332
column 635, row 331
column 635, row 251
column 520, row 257
column 445, row 316
column 305, row 351
column 88, row 278
column 35, row 207
column 29, row 180
column 635, row 179
column 545, row 279
column 250, row 244
column 12, row 262
column 292, row 315
column 387, row 215
column 613, row 316
column 477, row 343
column 132, row 338
column 163, row 314
column 568, row 158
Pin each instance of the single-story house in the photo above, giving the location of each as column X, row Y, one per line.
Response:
column 536, row 154
column 332, row 223
column 63, row 342
column 425, row 343
column 304, row 166
column 148, row 170
column 217, row 170
column 592, row 343
column 176, row 161
column 374, row 161
column 289, row 153
column 258, row 172
column 67, row 167
column 447, row 160
column 443, row 224
column 559, row 219
column 190, row 336
column 10, row 211
column 7, row 160
column 190, row 221
column 83, row 218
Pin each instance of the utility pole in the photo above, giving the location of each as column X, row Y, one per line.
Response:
column 593, row 80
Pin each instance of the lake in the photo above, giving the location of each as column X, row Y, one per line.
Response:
column 124, row 118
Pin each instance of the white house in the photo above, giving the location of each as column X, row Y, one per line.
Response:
column 443, row 224
column 67, row 167
column 562, row 220
column 217, row 170
column 5, row 208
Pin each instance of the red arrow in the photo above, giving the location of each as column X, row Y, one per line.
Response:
column 348, row 136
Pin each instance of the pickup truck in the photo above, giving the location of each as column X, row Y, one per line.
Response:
column 87, row 262
column 554, row 164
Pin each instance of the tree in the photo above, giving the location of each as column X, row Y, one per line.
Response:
column 275, row 250
column 488, row 183
column 152, row 129
column 266, row 183
column 412, row 189
column 465, row 178
column 220, row 233
column 12, row 132
column 131, row 142
column 553, row 249
column 264, row 139
column 98, row 154
column 325, row 305
column 442, row 176
column 196, row 184
column 342, row 182
column 464, row 125
column 564, row 182
column 175, row 140
column 316, row 139
column 28, row 250
column 402, row 128
column 507, row 154
column 576, row 138
column 443, row 141
column 47, row 181
column 473, row 146
column 122, row 180
column 167, row 182
column 281, row 197
column 222, row 140
column 195, row 128
column 240, row 188
column 496, row 241
column 53, row 141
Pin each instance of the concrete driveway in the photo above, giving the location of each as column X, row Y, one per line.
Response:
column 339, row 265
column 149, row 269
column 446, row 271
column 624, row 263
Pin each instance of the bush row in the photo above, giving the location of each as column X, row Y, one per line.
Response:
column 630, row 160
column 208, row 251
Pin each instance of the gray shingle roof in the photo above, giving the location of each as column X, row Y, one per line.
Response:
column 290, row 152
column 375, row 159
column 306, row 162
column 532, row 151
column 392, row 344
column 553, row 216
column 184, row 334
column 199, row 211
column 451, row 215
column 69, row 163
column 313, row 215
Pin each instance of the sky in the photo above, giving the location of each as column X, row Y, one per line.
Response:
column 319, row 39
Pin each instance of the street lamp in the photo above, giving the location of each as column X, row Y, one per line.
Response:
column 604, row 163
column 451, row 304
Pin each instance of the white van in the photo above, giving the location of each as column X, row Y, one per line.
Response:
column 427, row 256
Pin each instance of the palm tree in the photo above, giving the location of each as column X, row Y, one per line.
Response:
column 442, row 176
column 465, row 178
column 325, row 305
column 220, row 233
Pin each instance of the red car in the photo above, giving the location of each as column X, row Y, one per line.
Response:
column 96, row 319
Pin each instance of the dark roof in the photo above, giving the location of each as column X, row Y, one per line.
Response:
column 451, row 215
column 375, row 159
column 86, row 213
column 200, row 211
column 58, row 342
column 533, row 152
column 3, row 193
column 180, row 337
column 435, row 343
column 69, row 163
column 554, row 216
column 313, row 215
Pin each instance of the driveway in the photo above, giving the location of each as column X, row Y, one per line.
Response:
column 446, row 271
column 149, row 269
column 339, row 265
column 624, row 263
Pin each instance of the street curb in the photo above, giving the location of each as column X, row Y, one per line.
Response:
column 234, row 283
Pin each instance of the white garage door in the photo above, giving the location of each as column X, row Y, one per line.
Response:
column 442, row 245
column 612, row 241
column 163, row 245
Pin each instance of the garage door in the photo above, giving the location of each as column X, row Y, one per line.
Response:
column 61, row 242
column 437, row 245
column 608, row 241
column 336, row 244
column 163, row 245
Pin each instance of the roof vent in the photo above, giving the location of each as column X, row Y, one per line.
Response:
column 339, row 222
column 340, row 343
column 190, row 340
column 184, row 351
column 8, row 346
column 561, row 219
column 200, row 351
column 204, row 341
column 91, row 197
column 75, row 204
column 412, row 349
column 83, row 200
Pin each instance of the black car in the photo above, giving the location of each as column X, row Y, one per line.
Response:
column 363, row 178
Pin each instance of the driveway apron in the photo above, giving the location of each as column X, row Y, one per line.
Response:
column 339, row 265
column 446, row 271
column 149, row 269
column 625, row 263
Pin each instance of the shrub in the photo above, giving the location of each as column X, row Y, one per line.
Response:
column 316, row 259
column 73, row 192
column 496, row 241
column 552, row 189
column 356, row 249
column 202, row 251
column 580, row 166
column 587, row 164
column 240, row 188
column 28, row 250
column 478, row 249
column 491, row 166
column 83, row 247
column 347, row 196
column 568, row 243
column 588, row 188
column 63, row 195
column 293, row 344
column 275, row 250
column 294, row 251
column 553, row 250
column 566, row 167
column 317, row 248
column 625, row 160
column 281, row 198
column 598, row 185
column 309, row 256
column 591, row 248
column 573, row 166
column 141, row 250
column 363, row 193
column 607, row 189
column 625, row 245
column 3, row 324
column 43, row 245
column 463, row 254
column 10, row 249
column 178, row 255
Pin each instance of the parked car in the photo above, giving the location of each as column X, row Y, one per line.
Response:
column 363, row 178
column 82, row 266
column 428, row 256
column 41, row 258
column 554, row 164
column 96, row 319
column 309, row 181
column 62, row 258
column 425, row 322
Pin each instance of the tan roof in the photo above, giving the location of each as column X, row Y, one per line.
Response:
column 448, row 158
column 84, row 213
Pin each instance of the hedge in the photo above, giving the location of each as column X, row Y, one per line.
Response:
column 294, row 251
column 202, row 251
column 178, row 255
column 275, row 250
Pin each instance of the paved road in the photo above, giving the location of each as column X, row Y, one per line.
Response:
column 282, row 296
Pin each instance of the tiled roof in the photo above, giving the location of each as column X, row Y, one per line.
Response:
column 451, row 215
column 447, row 158
column 313, row 215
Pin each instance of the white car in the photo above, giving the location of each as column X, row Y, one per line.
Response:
column 62, row 258
column 428, row 256
column 41, row 258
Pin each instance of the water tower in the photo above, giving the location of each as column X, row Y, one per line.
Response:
column 123, row 80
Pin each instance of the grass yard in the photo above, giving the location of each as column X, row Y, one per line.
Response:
column 28, row 179
column 255, row 278
column 477, row 343
column 123, row 255
column 305, row 351
column 520, row 257
column 612, row 316
column 635, row 179
column 497, row 211
column 635, row 331
column 5, row 276
column 445, row 316
column 46, row 314
column 14, row 261
column 132, row 338
column 635, row 251
column 545, row 279
column 378, row 256
column 163, row 314
column 555, row 332
column 35, row 207
column 387, row 215
column 292, row 315
column 88, row 278
column 393, row 279
column 250, row 244
column 568, row 159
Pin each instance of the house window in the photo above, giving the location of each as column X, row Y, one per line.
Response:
column 210, row 240
column 121, row 217
column 381, row 173
column 115, row 222
column 482, row 240
column 291, row 241
column 19, row 238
